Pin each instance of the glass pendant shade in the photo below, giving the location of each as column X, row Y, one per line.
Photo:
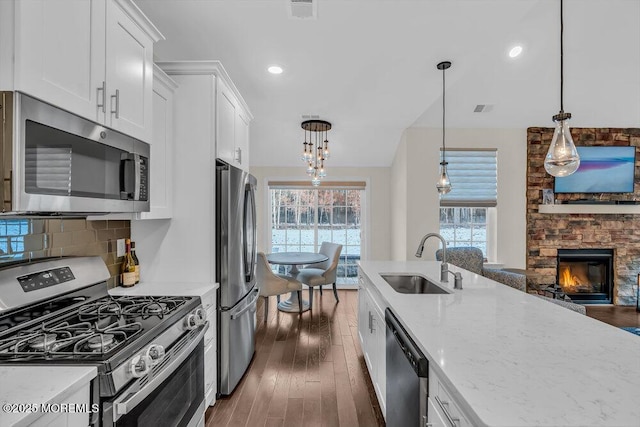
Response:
column 315, row 181
column 562, row 158
column 326, row 149
column 310, row 169
column 443, row 185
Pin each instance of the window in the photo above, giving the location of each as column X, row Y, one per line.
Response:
column 303, row 218
column 467, row 212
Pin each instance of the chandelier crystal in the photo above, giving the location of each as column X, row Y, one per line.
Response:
column 315, row 148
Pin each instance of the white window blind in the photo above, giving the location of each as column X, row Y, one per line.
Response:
column 474, row 178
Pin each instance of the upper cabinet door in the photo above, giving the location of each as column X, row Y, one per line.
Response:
column 242, row 140
column 129, row 74
column 162, row 148
column 59, row 53
column 226, row 116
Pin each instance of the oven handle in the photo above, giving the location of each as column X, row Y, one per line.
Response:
column 128, row 402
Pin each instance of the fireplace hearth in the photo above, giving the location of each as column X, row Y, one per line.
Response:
column 586, row 275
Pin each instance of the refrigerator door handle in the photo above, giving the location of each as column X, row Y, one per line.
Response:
column 250, row 305
column 249, row 198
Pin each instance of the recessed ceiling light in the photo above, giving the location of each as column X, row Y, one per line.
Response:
column 275, row 69
column 515, row 51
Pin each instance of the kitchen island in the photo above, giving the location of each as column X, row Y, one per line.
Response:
column 508, row 358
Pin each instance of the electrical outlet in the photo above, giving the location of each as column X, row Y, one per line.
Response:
column 120, row 248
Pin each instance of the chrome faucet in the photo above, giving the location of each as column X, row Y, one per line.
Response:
column 444, row 267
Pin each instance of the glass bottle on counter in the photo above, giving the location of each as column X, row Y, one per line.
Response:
column 136, row 263
column 128, row 268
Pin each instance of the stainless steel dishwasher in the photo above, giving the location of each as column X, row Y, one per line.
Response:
column 407, row 377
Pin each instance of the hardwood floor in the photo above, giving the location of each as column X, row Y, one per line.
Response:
column 615, row 315
column 307, row 371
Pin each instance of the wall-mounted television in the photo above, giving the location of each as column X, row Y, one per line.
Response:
column 602, row 170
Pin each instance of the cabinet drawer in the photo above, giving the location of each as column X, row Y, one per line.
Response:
column 209, row 366
column 434, row 413
column 442, row 398
column 210, row 396
column 209, row 334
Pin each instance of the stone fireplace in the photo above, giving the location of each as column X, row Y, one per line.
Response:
column 548, row 233
column 586, row 275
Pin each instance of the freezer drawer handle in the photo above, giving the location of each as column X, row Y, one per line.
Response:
column 247, row 308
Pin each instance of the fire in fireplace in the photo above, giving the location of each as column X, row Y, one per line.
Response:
column 586, row 275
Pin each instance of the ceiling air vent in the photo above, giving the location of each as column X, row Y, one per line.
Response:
column 302, row 9
column 310, row 116
column 483, row 108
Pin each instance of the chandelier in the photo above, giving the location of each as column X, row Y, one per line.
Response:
column 316, row 148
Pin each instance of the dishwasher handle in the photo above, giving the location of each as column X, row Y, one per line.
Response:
column 416, row 358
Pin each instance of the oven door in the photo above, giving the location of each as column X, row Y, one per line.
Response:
column 172, row 394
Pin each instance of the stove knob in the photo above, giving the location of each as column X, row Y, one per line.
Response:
column 155, row 354
column 195, row 319
column 139, row 366
column 201, row 316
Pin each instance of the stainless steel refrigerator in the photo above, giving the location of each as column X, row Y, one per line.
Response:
column 235, row 271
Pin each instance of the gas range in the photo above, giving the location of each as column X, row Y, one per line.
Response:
column 58, row 312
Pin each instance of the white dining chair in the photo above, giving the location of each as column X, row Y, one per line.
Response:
column 270, row 283
column 322, row 273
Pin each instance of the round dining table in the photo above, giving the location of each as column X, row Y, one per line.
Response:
column 294, row 259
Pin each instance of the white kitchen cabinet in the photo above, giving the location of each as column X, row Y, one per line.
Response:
column 91, row 57
column 442, row 406
column 232, row 135
column 168, row 244
column 372, row 333
column 162, row 148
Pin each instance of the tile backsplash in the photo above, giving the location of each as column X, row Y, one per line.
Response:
column 32, row 238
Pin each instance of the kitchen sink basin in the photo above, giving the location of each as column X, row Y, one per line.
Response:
column 412, row 284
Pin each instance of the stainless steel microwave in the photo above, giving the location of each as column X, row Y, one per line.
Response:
column 56, row 163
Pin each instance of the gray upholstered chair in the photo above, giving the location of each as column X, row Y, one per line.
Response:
column 471, row 259
column 270, row 283
column 322, row 273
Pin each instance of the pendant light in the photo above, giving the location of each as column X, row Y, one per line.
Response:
column 443, row 185
column 314, row 155
column 562, row 158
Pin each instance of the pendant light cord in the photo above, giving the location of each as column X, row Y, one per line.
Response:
column 561, row 59
column 443, row 114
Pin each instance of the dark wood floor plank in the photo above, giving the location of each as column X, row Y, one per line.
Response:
column 347, row 414
column 278, row 406
column 364, row 407
column 295, row 411
column 299, row 369
column 260, row 409
column 274, row 422
column 311, row 415
column 328, row 398
column 615, row 315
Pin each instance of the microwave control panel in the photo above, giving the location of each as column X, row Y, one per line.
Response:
column 144, row 179
column 44, row 279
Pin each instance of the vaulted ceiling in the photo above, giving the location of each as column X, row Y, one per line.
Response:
column 369, row 66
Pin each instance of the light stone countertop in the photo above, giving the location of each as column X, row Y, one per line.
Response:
column 512, row 359
column 165, row 288
column 38, row 385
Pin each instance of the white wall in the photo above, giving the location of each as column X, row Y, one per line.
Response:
column 399, row 189
column 378, row 214
column 422, row 206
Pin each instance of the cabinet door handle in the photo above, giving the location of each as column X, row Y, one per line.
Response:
column 117, row 110
column 238, row 155
column 101, row 93
column 445, row 405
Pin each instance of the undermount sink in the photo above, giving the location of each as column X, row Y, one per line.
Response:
column 412, row 284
